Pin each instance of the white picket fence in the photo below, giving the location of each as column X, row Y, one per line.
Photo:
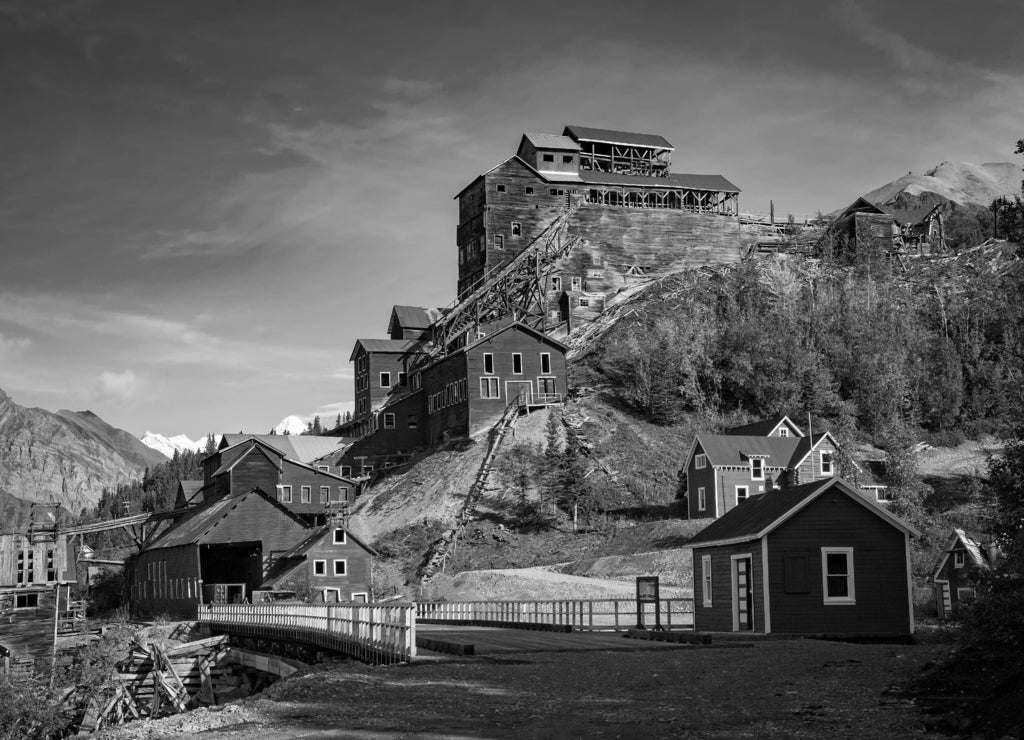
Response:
column 594, row 614
column 372, row 633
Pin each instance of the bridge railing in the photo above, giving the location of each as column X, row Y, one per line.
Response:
column 592, row 614
column 368, row 632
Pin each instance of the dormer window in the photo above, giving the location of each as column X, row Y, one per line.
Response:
column 827, row 466
column 757, row 468
column 783, row 432
column 958, row 559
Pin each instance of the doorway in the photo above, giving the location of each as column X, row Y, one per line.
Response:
column 742, row 593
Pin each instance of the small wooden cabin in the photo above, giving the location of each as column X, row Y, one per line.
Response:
column 966, row 557
column 816, row 559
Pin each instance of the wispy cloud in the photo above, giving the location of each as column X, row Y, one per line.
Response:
column 193, row 243
column 13, row 347
column 117, row 386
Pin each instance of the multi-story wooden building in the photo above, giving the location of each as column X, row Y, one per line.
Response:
column 637, row 216
column 723, row 470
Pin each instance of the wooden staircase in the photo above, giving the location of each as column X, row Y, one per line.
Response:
column 442, row 549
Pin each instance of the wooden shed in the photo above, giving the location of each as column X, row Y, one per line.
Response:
column 964, row 559
column 815, row 559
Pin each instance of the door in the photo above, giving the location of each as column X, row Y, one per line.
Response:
column 743, row 594
column 521, row 388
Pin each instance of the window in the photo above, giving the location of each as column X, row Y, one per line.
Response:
column 413, row 421
column 488, row 363
column 584, row 302
column 319, row 567
column 325, row 494
column 837, row 575
column 826, row 462
column 545, row 363
column 557, row 191
column 339, row 567
column 324, row 468
column 26, row 601
column 705, row 572
column 403, row 380
column 306, row 494
column 741, row 494
column 517, row 228
column 517, row 363
column 389, row 421
column 528, row 189
column 702, row 502
column 385, row 380
column 499, row 241
column 342, row 495
column 958, row 559
column 346, row 471
column 576, row 283
column 489, row 388
column 757, row 468
column 566, row 159
column 339, row 537
column 700, row 461
column 547, row 157
column 783, row 432
column 556, row 283
column 499, row 188
column 286, row 494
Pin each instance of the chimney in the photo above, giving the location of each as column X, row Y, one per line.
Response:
column 992, row 550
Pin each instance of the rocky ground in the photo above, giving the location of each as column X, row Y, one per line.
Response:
column 778, row 689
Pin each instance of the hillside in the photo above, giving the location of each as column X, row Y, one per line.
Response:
column 65, row 457
column 962, row 183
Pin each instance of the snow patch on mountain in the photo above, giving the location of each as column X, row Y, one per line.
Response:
column 290, row 425
column 169, row 445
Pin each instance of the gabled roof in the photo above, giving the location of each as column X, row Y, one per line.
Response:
column 711, row 183
column 301, row 447
column 735, row 449
column 973, row 545
column 388, row 346
column 551, row 141
column 609, row 136
column 765, row 428
column 521, row 327
column 413, row 317
column 806, row 446
column 190, row 490
column 193, row 526
column 862, row 205
column 760, row 514
column 231, row 456
column 297, row 555
column 312, row 467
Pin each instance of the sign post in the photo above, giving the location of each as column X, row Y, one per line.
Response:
column 647, row 593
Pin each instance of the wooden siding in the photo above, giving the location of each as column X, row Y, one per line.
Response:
column 165, row 581
column 449, row 421
column 704, row 478
column 253, row 470
column 873, row 232
column 358, row 570
column 373, row 394
column 963, row 577
column 729, row 478
column 718, row 617
column 38, row 555
column 297, row 476
column 810, row 469
column 879, row 567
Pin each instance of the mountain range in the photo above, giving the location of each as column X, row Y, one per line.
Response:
column 167, row 446
column 961, row 183
column 67, row 457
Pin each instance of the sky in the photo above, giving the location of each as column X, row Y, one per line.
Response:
column 204, row 204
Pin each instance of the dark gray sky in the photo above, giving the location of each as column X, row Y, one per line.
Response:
column 203, row 204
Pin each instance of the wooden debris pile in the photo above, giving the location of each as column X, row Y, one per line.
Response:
column 157, row 681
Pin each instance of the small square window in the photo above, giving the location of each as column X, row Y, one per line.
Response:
column 548, row 157
column 553, row 191
column 584, row 303
column 499, row 241
column 528, row 190
column 741, row 493
column 556, row 283
column 319, row 567
column 385, row 380
column 389, row 421
column 517, row 363
column 783, row 432
column 566, row 159
column 499, row 188
column 339, row 537
column 339, row 567
column 489, row 388
column 517, row 228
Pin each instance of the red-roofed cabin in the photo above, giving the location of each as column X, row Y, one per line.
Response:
column 817, row 559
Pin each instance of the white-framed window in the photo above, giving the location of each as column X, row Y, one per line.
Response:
column 306, row 494
column 499, row 241
column 285, row 495
column 576, row 283
column 385, row 380
column 702, row 499
column 489, row 388
column 705, row 572
column 837, row 575
column 584, row 302
column 517, row 228
column 757, row 468
column 741, row 493
column 517, row 363
column 488, row 363
column 341, row 496
column 324, row 468
column 339, row 536
column 958, row 559
column 827, row 462
column 556, row 283
column 389, row 421
column 319, row 567
column 700, row 461
column 340, row 567
column 325, row 494
column 360, row 597
column 783, row 432
column 545, row 363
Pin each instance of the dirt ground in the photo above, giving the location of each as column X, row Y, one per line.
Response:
column 777, row 688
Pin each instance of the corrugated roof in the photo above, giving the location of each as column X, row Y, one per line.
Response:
column 760, row 514
column 191, row 527
column 410, row 317
column 306, row 449
column 396, row 346
column 711, row 183
column 609, row 136
column 301, row 447
column 551, row 141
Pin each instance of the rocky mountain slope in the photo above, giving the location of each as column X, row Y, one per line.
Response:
column 962, row 183
column 66, row 457
column 169, row 445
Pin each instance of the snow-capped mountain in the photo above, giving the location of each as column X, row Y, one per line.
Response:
column 290, row 425
column 169, row 445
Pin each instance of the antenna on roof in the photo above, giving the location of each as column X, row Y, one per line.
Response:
column 810, row 429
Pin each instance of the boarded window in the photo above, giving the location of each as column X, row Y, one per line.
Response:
column 797, row 581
